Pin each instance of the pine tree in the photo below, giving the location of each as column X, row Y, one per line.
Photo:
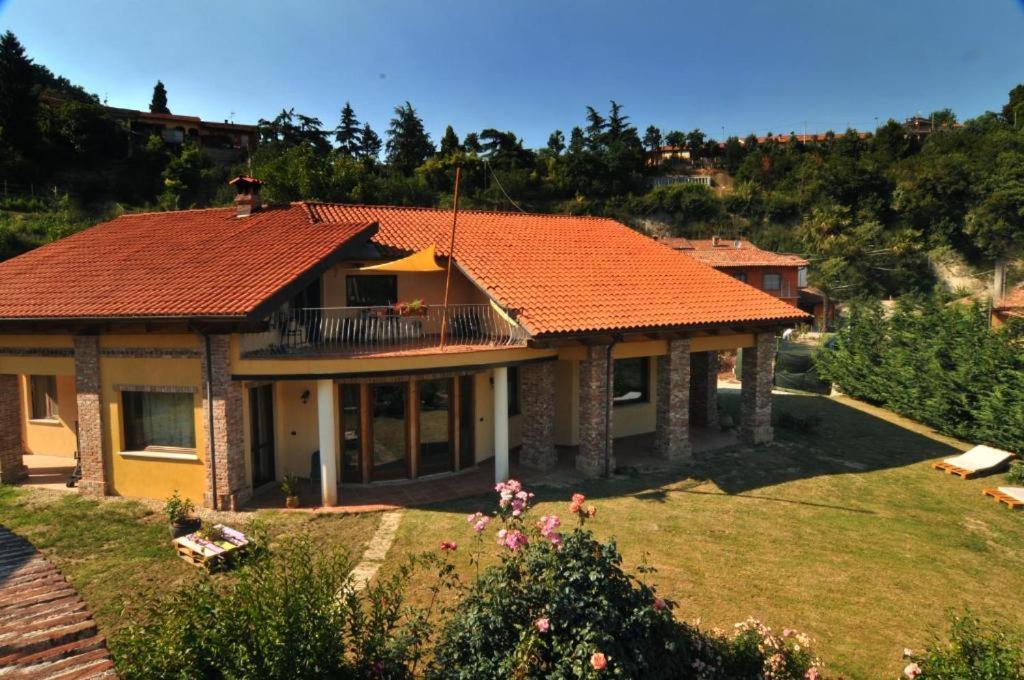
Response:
column 596, row 126
column 472, row 143
column 652, row 138
column 158, row 104
column 347, row 134
column 370, row 144
column 556, row 143
column 18, row 102
column 449, row 142
column 408, row 142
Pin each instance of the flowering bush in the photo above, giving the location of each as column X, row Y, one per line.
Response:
column 559, row 604
column 974, row 651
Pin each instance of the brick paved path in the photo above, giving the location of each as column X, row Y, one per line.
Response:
column 45, row 629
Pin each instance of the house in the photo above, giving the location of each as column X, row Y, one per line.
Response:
column 223, row 142
column 666, row 153
column 1011, row 306
column 214, row 351
column 781, row 275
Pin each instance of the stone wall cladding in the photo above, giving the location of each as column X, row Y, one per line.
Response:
column 228, row 435
column 704, row 392
column 90, row 416
column 537, row 385
column 672, row 423
column 756, row 392
column 12, row 441
column 595, row 420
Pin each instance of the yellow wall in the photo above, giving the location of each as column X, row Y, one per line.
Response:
column 631, row 419
column 426, row 286
column 296, row 430
column 567, row 386
column 52, row 437
column 151, row 478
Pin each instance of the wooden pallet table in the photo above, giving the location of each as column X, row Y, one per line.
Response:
column 1000, row 496
column 954, row 470
column 195, row 549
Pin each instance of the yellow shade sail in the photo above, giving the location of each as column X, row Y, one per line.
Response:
column 422, row 261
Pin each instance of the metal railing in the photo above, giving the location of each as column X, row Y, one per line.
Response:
column 368, row 330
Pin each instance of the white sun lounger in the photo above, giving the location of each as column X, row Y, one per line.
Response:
column 976, row 461
column 1013, row 496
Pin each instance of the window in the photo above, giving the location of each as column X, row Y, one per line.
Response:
column 740, row 276
column 371, row 291
column 513, row 390
column 159, row 419
column 43, row 390
column 772, row 281
column 632, row 381
column 801, row 277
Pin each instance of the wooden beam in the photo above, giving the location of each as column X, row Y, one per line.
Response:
column 365, row 431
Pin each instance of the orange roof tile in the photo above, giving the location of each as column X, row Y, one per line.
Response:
column 566, row 274
column 1013, row 300
column 194, row 263
column 725, row 253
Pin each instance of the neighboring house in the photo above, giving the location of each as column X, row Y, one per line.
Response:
column 781, row 275
column 1011, row 306
column 669, row 180
column 664, row 154
column 223, row 142
column 213, row 351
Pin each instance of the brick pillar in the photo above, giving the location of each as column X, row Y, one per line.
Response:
column 672, row 424
column 90, row 416
column 537, row 385
column 756, row 392
column 12, row 441
column 704, row 392
column 595, row 454
column 227, row 436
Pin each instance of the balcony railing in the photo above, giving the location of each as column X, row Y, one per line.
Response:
column 371, row 330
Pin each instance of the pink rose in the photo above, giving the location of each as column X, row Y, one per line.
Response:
column 812, row 674
column 659, row 603
column 598, row 661
column 543, row 624
column 448, row 546
column 912, row 671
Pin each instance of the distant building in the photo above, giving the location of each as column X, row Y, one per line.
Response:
column 1011, row 306
column 669, row 180
column 920, row 127
column 664, row 154
column 811, row 138
column 223, row 142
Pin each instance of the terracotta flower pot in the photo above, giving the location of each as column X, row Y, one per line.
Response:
column 184, row 527
column 291, row 501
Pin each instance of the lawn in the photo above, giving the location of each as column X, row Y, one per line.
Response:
column 845, row 533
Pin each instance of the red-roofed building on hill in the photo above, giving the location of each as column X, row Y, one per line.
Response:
column 215, row 351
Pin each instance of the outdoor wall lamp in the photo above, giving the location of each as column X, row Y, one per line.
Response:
column 304, row 396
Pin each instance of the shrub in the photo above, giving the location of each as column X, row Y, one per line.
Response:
column 560, row 605
column 1016, row 473
column 974, row 651
column 291, row 613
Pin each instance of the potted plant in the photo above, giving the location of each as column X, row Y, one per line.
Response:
column 411, row 308
column 290, row 487
column 181, row 515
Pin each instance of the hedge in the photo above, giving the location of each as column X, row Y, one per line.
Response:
column 938, row 363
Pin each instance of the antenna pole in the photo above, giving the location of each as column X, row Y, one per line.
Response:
column 451, row 256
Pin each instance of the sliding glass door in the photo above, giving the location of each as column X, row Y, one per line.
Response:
column 351, row 435
column 390, row 437
column 435, row 427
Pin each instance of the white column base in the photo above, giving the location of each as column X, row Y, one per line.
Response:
column 327, row 419
column 500, row 424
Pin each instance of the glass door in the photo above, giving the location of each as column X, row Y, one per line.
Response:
column 390, row 431
column 351, row 437
column 467, row 414
column 435, row 427
column 261, row 423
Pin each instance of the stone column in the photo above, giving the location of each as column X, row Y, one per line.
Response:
column 225, row 445
column 596, row 456
column 500, row 424
column 704, row 394
column 12, row 441
column 537, row 382
column 327, row 426
column 672, row 424
column 90, row 416
column 756, row 392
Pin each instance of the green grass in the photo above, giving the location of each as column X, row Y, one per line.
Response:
column 117, row 553
column 846, row 534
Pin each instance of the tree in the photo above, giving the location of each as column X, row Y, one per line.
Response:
column 652, row 138
column 556, row 143
column 449, row 142
column 695, row 142
column 943, row 118
column 408, row 142
column 347, row 134
column 1013, row 110
column 472, row 143
column 369, row 143
column 596, row 126
column 158, row 104
column 997, row 223
column 576, row 140
column 18, row 102
column 618, row 124
column 293, row 129
column 676, row 138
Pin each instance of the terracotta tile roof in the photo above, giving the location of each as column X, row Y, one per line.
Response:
column 193, row 263
column 1014, row 300
column 571, row 274
column 726, row 254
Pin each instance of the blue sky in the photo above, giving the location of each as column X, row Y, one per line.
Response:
column 531, row 66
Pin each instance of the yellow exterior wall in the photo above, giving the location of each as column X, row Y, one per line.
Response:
column 148, row 477
column 56, row 437
column 152, row 340
column 426, row 286
column 631, row 419
column 567, row 414
column 296, row 431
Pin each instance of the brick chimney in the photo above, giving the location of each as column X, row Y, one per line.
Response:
column 247, row 195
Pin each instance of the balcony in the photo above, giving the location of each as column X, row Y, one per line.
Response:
column 360, row 331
